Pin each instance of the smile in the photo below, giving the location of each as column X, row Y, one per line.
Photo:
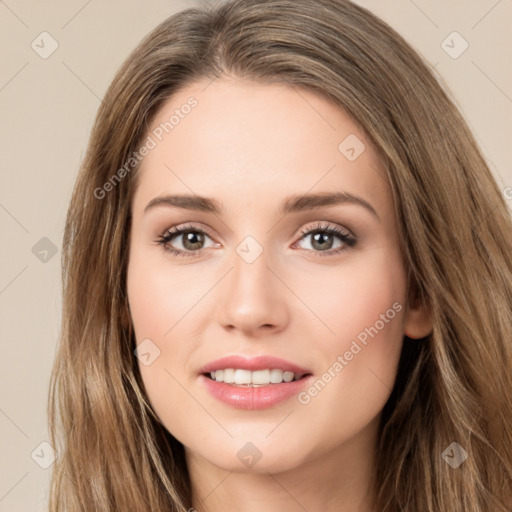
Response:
column 240, row 377
column 253, row 383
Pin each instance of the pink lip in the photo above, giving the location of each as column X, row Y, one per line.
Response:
column 261, row 397
column 253, row 398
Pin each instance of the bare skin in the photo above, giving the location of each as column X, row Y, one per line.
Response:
column 250, row 146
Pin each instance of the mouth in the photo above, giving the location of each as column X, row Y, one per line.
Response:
column 257, row 383
column 258, row 378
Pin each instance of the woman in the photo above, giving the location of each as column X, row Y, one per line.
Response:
column 287, row 279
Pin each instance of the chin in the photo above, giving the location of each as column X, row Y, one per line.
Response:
column 255, row 454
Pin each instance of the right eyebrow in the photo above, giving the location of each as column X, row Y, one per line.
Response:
column 189, row 202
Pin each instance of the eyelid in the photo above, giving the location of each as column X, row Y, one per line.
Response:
column 179, row 228
column 324, row 225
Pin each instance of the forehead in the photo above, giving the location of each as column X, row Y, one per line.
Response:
column 243, row 141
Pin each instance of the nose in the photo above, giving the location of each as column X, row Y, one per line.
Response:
column 253, row 298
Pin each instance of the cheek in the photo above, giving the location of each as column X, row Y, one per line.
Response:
column 159, row 296
column 363, row 307
column 163, row 311
column 351, row 298
column 156, row 311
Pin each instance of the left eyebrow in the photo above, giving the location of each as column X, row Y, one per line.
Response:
column 298, row 203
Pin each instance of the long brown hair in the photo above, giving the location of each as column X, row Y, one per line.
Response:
column 455, row 230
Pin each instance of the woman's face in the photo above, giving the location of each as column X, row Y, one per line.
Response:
column 259, row 168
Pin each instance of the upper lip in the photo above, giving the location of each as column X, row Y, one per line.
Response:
column 254, row 363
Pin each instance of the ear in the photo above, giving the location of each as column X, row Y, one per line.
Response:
column 418, row 320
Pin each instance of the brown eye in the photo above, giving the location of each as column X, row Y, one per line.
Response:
column 190, row 238
column 322, row 239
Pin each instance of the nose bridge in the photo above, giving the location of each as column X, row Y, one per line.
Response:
column 250, row 280
column 251, row 296
column 251, row 263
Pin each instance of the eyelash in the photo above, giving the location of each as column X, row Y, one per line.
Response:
column 348, row 240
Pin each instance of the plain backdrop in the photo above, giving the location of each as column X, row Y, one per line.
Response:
column 47, row 106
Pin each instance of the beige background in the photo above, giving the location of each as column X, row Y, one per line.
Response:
column 47, row 107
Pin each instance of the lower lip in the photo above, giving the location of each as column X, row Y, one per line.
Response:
column 254, row 398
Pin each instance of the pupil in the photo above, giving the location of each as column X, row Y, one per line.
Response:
column 194, row 238
column 318, row 237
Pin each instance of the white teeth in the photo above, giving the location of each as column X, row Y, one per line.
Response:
column 241, row 376
column 229, row 376
column 261, row 377
column 276, row 376
column 288, row 376
column 256, row 378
